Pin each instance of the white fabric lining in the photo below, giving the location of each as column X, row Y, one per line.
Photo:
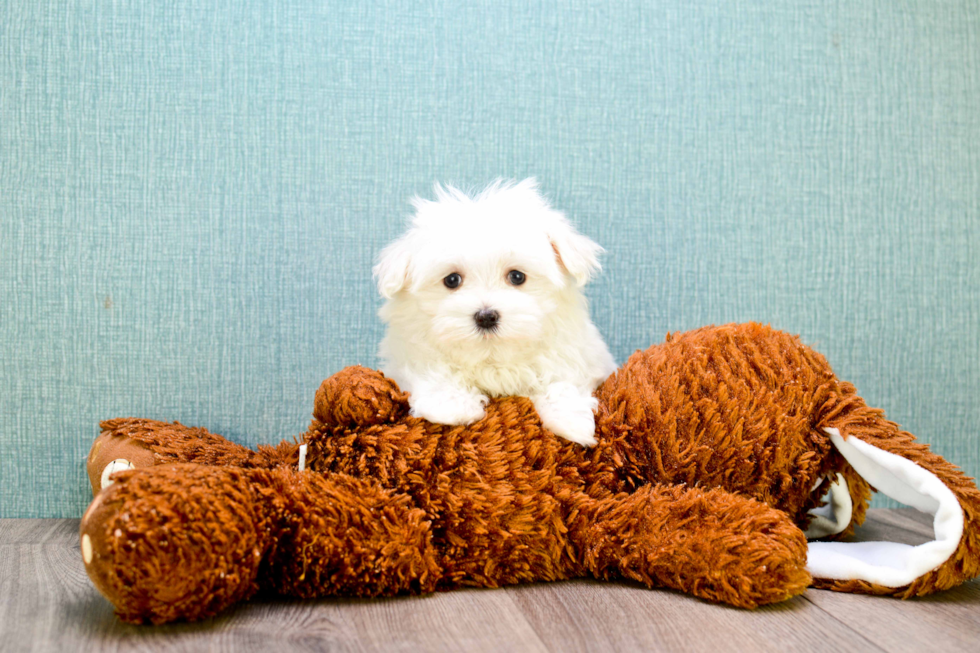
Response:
column 833, row 517
column 302, row 457
column 889, row 563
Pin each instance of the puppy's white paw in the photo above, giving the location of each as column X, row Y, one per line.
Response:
column 450, row 406
column 568, row 413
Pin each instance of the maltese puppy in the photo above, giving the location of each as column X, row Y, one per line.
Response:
column 484, row 299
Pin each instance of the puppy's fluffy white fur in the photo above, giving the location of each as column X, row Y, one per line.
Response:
column 542, row 345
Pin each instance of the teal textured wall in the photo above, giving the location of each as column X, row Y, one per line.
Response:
column 191, row 194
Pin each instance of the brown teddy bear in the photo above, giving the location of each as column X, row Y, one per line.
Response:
column 717, row 450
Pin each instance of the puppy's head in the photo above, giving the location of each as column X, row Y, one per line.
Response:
column 483, row 270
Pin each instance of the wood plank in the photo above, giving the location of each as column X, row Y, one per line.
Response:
column 949, row 621
column 38, row 531
column 467, row 620
column 43, row 589
column 906, row 525
column 585, row 615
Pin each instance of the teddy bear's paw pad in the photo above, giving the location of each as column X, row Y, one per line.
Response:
column 891, row 564
column 117, row 465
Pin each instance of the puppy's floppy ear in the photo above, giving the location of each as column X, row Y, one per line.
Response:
column 391, row 270
column 577, row 254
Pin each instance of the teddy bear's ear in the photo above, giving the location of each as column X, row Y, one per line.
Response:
column 577, row 254
column 905, row 470
column 391, row 270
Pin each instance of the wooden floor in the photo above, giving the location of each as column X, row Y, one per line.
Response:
column 48, row 604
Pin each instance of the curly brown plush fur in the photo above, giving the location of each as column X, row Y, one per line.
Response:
column 708, row 448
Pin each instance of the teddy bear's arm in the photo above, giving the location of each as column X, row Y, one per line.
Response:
column 710, row 543
column 358, row 396
column 184, row 542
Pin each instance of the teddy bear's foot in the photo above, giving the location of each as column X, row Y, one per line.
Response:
column 710, row 543
column 145, row 443
column 113, row 451
column 185, row 541
column 175, row 541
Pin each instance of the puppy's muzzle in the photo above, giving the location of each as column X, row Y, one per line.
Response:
column 486, row 319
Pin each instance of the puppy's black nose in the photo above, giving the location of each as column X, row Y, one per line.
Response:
column 486, row 318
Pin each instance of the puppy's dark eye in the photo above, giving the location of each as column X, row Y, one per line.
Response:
column 516, row 277
column 452, row 281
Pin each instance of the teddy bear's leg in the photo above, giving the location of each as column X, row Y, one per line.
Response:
column 711, row 543
column 112, row 452
column 184, row 542
column 175, row 541
column 893, row 462
column 341, row 535
column 128, row 443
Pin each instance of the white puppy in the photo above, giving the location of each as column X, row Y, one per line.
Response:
column 484, row 300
